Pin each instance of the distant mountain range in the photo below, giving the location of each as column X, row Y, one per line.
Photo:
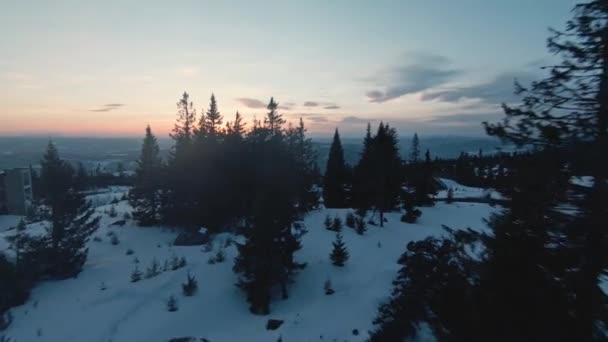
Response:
column 23, row 151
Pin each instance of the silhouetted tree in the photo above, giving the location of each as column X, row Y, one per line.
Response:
column 336, row 176
column 144, row 196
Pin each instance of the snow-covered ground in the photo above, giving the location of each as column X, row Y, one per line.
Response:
column 79, row 310
column 463, row 191
column 584, row 181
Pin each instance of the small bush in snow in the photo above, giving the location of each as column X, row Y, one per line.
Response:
column 450, row 198
column 103, row 286
column 6, row 319
column 328, row 222
column 411, row 215
column 228, row 242
column 114, row 201
column 114, row 240
column 127, row 216
column 328, row 288
column 129, row 251
column 124, row 197
column 360, row 225
column 97, row 238
column 113, row 212
column 190, row 287
column 172, row 304
column 220, row 256
column 135, row 275
column 339, row 254
column 166, row 266
column 336, row 225
column 350, row 220
column 182, row 262
column 153, row 270
column 208, row 247
column 136, row 260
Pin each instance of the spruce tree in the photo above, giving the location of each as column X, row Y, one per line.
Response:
column 72, row 220
column 213, row 119
column 274, row 120
column 183, row 130
column 339, row 253
column 570, row 108
column 144, row 196
column 335, row 178
column 415, row 150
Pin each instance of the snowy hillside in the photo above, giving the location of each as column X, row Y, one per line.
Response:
column 103, row 305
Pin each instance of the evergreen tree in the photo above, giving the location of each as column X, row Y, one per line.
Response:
column 18, row 242
column 213, row 119
column 72, row 221
column 339, row 253
column 335, row 179
column 415, row 150
column 570, row 107
column 184, row 126
column 423, row 181
column 362, row 176
column 179, row 202
column 266, row 259
column 82, row 178
column 274, row 121
column 144, row 196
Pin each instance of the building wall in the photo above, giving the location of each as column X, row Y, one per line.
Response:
column 18, row 190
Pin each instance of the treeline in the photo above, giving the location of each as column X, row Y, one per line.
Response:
column 83, row 179
column 381, row 181
column 225, row 176
column 536, row 275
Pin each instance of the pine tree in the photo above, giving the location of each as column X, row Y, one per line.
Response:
column 274, row 121
column 183, row 130
column 335, row 179
column 570, row 108
column 82, row 178
column 144, row 196
column 415, row 150
column 266, row 259
column 213, row 119
column 72, row 220
column 339, row 253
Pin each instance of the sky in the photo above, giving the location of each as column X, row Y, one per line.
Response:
column 109, row 68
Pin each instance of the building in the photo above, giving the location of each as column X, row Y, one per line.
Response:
column 15, row 191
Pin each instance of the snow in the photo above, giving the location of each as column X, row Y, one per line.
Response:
column 462, row 191
column 584, row 181
column 9, row 221
column 78, row 310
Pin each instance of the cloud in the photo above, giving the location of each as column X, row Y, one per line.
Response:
column 317, row 119
column 355, row 120
column 333, row 106
column 422, row 72
column 466, row 118
column 108, row 107
column 311, row 104
column 498, row 90
column 284, row 107
column 251, row 103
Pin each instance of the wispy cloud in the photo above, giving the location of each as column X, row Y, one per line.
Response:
column 421, row 72
column 333, row 106
column 108, row 107
column 251, row 103
column 499, row 89
column 311, row 104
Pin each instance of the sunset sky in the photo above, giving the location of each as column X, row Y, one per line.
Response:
column 108, row 68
